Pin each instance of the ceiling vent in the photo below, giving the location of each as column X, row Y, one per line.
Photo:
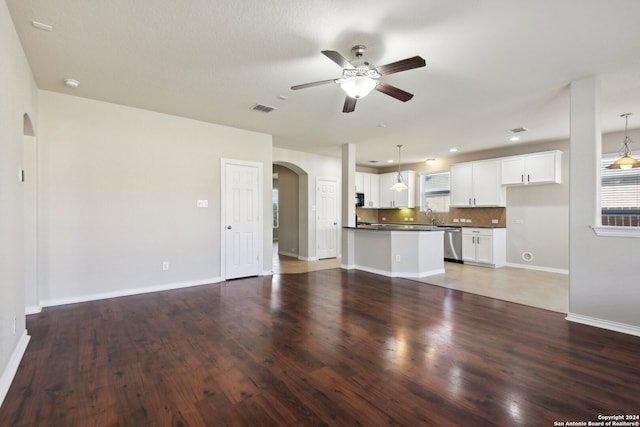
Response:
column 517, row 130
column 263, row 108
column 374, row 161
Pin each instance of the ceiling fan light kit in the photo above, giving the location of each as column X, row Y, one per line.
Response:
column 358, row 87
column 359, row 79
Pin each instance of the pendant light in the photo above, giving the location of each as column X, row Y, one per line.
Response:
column 626, row 161
column 399, row 185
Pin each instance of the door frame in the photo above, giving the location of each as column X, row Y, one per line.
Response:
column 224, row 162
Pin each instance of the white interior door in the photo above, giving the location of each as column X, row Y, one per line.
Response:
column 242, row 220
column 327, row 222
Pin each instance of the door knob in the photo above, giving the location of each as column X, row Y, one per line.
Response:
column 229, row 227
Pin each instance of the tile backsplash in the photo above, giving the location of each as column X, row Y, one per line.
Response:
column 481, row 217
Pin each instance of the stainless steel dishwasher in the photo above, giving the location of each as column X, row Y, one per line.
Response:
column 453, row 244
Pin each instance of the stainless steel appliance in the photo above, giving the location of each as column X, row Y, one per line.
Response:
column 453, row 244
column 359, row 200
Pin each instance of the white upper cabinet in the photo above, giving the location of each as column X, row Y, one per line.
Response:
column 536, row 168
column 477, row 184
column 368, row 183
column 397, row 199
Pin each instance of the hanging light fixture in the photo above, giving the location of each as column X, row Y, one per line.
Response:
column 625, row 161
column 399, row 185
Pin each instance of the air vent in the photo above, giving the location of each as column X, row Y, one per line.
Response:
column 517, row 130
column 374, row 161
column 263, row 108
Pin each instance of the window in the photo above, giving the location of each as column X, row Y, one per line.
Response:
column 434, row 192
column 620, row 194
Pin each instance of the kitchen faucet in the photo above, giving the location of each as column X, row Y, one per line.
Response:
column 429, row 211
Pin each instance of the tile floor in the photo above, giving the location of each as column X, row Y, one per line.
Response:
column 549, row 291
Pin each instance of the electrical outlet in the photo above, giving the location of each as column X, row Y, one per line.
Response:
column 494, row 221
column 398, row 258
column 165, row 265
column 384, row 218
column 411, row 219
column 456, row 220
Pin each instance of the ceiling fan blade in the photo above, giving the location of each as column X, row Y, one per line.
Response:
column 393, row 91
column 338, row 59
column 405, row 64
column 319, row 83
column 349, row 105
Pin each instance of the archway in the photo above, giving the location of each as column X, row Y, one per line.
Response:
column 293, row 200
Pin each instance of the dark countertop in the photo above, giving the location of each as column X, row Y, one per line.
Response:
column 416, row 226
column 399, row 227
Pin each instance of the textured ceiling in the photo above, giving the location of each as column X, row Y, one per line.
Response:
column 492, row 65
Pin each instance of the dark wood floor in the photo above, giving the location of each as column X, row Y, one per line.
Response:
column 329, row 347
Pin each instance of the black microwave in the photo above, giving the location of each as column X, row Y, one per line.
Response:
column 359, row 200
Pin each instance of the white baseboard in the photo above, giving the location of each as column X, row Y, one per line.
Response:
column 128, row 292
column 604, row 324
column 285, row 253
column 399, row 273
column 304, row 258
column 538, row 268
column 12, row 367
column 32, row 309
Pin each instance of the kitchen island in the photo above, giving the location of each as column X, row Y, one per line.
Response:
column 411, row 251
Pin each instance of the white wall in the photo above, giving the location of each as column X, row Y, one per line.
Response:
column 310, row 167
column 117, row 198
column 603, row 280
column 17, row 97
column 538, row 220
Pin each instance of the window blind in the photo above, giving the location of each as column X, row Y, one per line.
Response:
column 435, row 190
column 619, row 194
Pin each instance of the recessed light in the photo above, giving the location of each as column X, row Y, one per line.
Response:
column 41, row 26
column 430, row 162
column 514, row 138
column 390, row 161
column 282, row 98
column 453, row 150
column 382, row 125
column 72, row 83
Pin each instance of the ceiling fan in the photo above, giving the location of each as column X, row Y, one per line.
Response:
column 359, row 78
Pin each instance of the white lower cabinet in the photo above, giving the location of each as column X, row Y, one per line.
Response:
column 484, row 246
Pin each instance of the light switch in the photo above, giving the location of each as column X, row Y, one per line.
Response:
column 202, row 204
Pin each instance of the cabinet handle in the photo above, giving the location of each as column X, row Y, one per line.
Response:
column 522, row 178
column 474, row 201
column 528, row 178
column 469, row 201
